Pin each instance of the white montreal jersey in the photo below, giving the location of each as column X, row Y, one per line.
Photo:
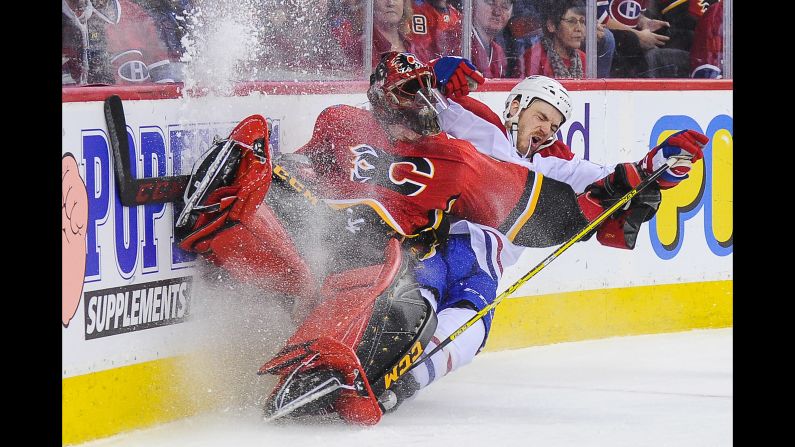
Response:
column 462, row 124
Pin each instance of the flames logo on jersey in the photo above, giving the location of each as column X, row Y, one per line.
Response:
column 405, row 175
column 361, row 166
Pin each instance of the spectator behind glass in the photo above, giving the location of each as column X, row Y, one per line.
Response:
column 489, row 18
column 391, row 30
column 558, row 54
column 706, row 55
column 636, row 35
column 523, row 31
column 83, row 45
column 672, row 59
column 127, row 49
column 169, row 17
column 436, row 27
column 297, row 43
column 683, row 17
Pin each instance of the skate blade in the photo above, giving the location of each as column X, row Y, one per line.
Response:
column 329, row 386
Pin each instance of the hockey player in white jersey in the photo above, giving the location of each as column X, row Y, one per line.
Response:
column 534, row 111
column 463, row 277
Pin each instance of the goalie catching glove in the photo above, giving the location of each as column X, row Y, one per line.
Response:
column 225, row 220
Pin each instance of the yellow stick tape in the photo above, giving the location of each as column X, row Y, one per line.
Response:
column 545, row 319
column 109, row 402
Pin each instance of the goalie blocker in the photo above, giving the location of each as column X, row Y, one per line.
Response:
column 223, row 217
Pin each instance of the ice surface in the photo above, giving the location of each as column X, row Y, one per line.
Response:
column 652, row 390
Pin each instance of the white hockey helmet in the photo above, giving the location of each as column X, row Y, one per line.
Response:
column 532, row 88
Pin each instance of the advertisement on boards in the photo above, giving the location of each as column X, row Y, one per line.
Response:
column 128, row 288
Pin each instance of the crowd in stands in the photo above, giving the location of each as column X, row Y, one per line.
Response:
column 141, row 41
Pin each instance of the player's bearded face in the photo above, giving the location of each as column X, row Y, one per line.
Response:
column 537, row 124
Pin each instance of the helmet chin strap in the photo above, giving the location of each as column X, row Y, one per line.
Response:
column 514, row 137
column 513, row 122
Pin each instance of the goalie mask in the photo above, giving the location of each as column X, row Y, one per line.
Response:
column 402, row 91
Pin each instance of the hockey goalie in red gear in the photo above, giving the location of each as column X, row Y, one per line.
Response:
column 395, row 165
column 243, row 213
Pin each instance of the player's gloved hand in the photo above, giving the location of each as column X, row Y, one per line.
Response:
column 404, row 389
column 456, row 76
column 620, row 230
column 687, row 145
column 604, row 193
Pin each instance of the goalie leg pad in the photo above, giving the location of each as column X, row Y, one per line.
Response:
column 258, row 250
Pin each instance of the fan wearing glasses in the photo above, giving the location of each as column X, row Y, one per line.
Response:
column 489, row 18
column 558, row 54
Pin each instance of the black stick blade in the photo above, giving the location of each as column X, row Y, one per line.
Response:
column 134, row 191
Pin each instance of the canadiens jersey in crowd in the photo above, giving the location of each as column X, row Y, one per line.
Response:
column 119, row 44
column 628, row 11
column 136, row 52
column 623, row 11
column 409, row 184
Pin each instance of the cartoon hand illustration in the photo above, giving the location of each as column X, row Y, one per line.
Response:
column 74, row 212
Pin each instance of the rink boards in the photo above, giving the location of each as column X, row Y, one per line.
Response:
column 131, row 325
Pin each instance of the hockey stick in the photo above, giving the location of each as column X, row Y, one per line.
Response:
column 140, row 191
column 133, row 191
column 540, row 266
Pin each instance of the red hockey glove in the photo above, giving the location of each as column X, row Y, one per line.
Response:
column 688, row 144
column 603, row 193
column 620, row 230
column 453, row 75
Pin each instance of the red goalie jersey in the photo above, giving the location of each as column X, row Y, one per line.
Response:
column 410, row 184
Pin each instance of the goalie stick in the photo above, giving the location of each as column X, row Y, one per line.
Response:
column 136, row 191
column 140, row 191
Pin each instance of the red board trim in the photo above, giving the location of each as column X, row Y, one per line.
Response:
column 174, row 91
